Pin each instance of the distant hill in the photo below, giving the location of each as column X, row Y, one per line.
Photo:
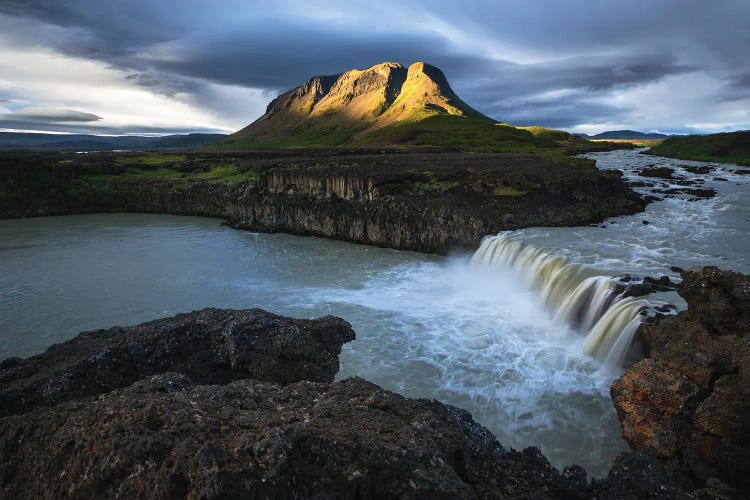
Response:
column 386, row 105
column 730, row 147
column 185, row 141
column 82, row 142
column 624, row 134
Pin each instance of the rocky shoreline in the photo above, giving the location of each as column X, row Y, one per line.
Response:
column 688, row 402
column 221, row 403
column 428, row 202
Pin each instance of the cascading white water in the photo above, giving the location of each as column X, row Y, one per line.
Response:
column 571, row 293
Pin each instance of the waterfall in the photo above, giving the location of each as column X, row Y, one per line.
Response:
column 571, row 293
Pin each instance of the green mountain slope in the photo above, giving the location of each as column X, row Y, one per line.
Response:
column 625, row 134
column 731, row 147
column 389, row 105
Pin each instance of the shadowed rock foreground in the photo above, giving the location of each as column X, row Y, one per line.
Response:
column 221, row 403
column 688, row 403
column 211, row 346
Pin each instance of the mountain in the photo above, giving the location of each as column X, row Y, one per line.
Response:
column 730, row 147
column 624, row 134
column 351, row 107
column 82, row 142
column 388, row 105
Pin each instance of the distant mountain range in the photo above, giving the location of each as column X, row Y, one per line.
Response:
column 624, row 134
column 57, row 142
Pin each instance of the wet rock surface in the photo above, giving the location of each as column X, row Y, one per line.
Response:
column 638, row 287
column 269, row 423
column 701, row 169
column 695, row 193
column 658, row 172
column 688, row 403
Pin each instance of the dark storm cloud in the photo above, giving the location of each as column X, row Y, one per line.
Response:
column 517, row 92
column 556, row 112
column 257, row 60
column 73, row 128
column 102, row 29
column 737, row 89
column 46, row 115
column 577, row 52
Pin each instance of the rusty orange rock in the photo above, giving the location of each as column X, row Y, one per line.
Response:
column 689, row 402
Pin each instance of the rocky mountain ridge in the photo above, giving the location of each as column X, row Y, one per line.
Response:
column 354, row 104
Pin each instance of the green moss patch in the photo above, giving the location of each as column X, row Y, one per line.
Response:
column 149, row 159
column 219, row 174
column 732, row 147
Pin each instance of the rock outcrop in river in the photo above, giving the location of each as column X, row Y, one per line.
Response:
column 218, row 403
column 688, row 403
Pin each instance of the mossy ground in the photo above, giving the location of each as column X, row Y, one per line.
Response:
column 437, row 130
column 424, row 173
column 149, row 159
column 175, row 168
column 731, row 147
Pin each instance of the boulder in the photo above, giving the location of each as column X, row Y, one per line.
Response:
column 689, row 402
column 658, row 172
column 211, row 346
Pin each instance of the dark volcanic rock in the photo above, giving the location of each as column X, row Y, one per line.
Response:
column 638, row 288
column 637, row 475
column 212, row 346
column 165, row 438
column 689, row 403
column 271, row 435
column 698, row 193
column 703, row 169
column 718, row 299
column 423, row 201
column 658, row 172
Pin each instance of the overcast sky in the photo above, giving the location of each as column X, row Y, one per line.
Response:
column 168, row 66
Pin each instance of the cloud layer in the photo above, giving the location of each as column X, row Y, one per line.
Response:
column 566, row 64
column 51, row 115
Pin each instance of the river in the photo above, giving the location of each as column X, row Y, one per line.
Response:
column 473, row 335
